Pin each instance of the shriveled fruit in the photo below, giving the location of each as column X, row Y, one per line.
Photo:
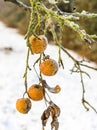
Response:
column 49, row 67
column 23, row 105
column 38, row 44
column 36, row 92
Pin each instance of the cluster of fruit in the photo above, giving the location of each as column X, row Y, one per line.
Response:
column 48, row 67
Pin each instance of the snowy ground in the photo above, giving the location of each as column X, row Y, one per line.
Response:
column 12, row 64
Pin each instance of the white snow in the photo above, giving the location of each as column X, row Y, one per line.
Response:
column 12, row 65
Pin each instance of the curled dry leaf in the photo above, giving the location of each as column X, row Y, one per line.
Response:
column 55, row 89
column 54, row 111
column 45, row 116
column 55, row 124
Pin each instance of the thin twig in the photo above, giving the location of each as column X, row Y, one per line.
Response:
column 26, row 72
column 88, row 66
column 77, row 66
column 86, row 102
column 76, row 61
column 83, row 89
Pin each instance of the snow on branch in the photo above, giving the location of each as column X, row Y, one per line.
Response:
column 67, row 18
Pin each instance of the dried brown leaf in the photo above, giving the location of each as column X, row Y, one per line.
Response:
column 45, row 117
column 54, row 124
column 55, row 89
column 55, row 110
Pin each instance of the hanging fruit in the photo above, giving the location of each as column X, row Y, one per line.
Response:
column 36, row 92
column 23, row 105
column 49, row 67
column 38, row 44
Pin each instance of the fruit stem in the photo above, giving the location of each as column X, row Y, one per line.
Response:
column 38, row 61
column 26, row 71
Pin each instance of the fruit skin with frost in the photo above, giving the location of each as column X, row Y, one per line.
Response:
column 23, row 105
column 36, row 92
column 38, row 44
column 49, row 67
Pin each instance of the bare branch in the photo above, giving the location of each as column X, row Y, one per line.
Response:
column 77, row 69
